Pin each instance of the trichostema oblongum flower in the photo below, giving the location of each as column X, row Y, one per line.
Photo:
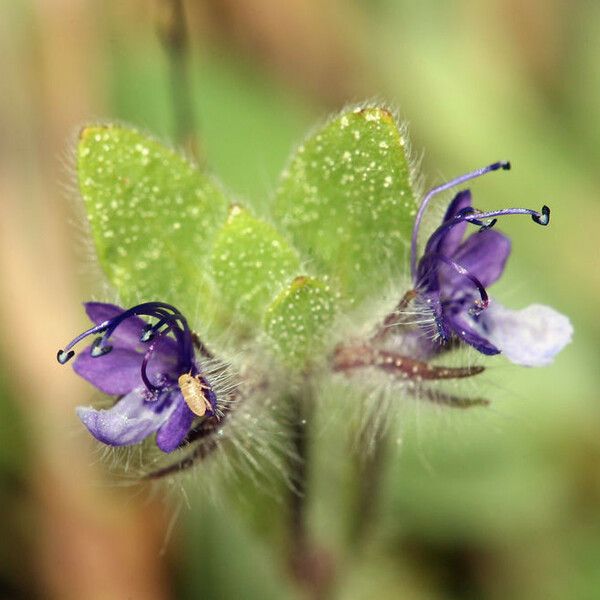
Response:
column 452, row 275
column 150, row 367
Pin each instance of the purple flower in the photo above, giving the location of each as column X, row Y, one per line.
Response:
column 453, row 273
column 140, row 363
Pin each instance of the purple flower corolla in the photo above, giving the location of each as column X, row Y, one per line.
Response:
column 453, row 273
column 140, row 363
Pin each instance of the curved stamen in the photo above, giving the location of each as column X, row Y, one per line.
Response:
column 150, row 330
column 476, row 218
column 166, row 315
column 162, row 312
column 185, row 360
column 473, row 214
column 441, row 188
column 481, row 304
column 65, row 355
column 163, row 317
column 144, row 370
column 178, row 324
column 147, row 309
column 107, row 327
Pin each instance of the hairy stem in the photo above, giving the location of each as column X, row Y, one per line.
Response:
column 173, row 33
column 370, row 468
column 298, row 477
column 310, row 565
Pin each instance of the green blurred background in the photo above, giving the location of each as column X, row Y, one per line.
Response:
column 485, row 504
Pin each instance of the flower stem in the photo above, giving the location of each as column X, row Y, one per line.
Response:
column 310, row 565
column 298, row 476
column 370, row 467
column 172, row 30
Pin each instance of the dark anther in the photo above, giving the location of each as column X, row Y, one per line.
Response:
column 464, row 212
column 544, row 218
column 98, row 349
column 501, row 164
column 489, row 225
column 64, row 357
column 148, row 333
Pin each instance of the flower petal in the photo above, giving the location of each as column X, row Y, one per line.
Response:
column 466, row 329
column 130, row 420
column 484, row 255
column 450, row 242
column 531, row 337
column 172, row 433
column 116, row 373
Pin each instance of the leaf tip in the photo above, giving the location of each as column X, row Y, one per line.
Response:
column 374, row 113
column 234, row 211
column 89, row 130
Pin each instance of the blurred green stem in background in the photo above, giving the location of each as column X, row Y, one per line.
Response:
column 310, row 565
column 173, row 33
column 371, row 454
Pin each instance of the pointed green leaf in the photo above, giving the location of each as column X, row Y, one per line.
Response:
column 347, row 202
column 299, row 318
column 152, row 215
column 250, row 262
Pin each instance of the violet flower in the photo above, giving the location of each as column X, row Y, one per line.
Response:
column 452, row 275
column 140, row 363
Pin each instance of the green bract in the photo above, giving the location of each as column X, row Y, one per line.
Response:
column 152, row 215
column 250, row 262
column 346, row 200
column 298, row 319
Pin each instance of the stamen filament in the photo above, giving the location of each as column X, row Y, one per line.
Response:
column 65, row 355
column 184, row 364
column 166, row 315
column 485, row 300
column 476, row 218
column 147, row 309
column 143, row 372
column 483, row 304
column 183, row 333
column 442, row 188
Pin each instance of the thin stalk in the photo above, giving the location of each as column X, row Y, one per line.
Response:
column 371, row 460
column 173, row 33
column 310, row 565
column 299, row 479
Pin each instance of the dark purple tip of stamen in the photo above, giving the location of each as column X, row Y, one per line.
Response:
column 64, row 357
column 544, row 218
column 463, row 212
column 148, row 333
column 489, row 225
column 99, row 349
